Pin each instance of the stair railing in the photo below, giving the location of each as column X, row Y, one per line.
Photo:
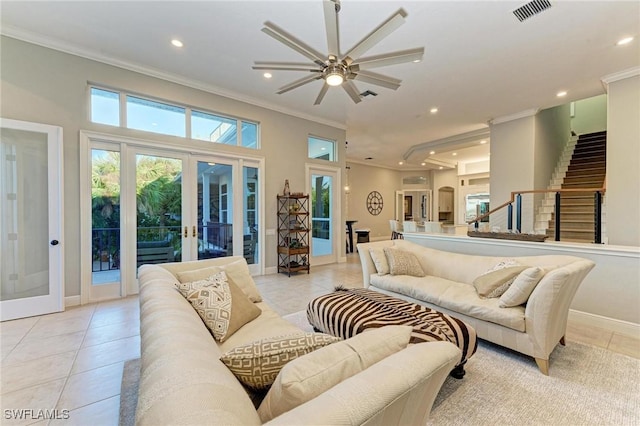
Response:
column 516, row 196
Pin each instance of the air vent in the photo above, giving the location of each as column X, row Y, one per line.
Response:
column 530, row 9
column 367, row 93
column 368, row 158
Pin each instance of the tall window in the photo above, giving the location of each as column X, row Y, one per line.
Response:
column 321, row 149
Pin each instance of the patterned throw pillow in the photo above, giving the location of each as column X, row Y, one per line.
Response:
column 237, row 271
column 522, row 287
column 305, row 378
column 221, row 305
column 495, row 282
column 257, row 364
column 403, row 262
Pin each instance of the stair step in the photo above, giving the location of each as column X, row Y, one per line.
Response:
column 573, row 226
column 586, row 166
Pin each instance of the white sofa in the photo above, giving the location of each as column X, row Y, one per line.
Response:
column 184, row 382
column 534, row 328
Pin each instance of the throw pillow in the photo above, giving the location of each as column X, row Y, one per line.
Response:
column 380, row 260
column 237, row 271
column 221, row 305
column 311, row 375
column 403, row 263
column 522, row 287
column 257, row 364
column 495, row 283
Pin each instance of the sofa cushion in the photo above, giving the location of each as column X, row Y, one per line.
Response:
column 403, row 262
column 311, row 375
column 495, row 283
column 257, row 364
column 522, row 287
column 237, row 271
column 452, row 295
column 379, row 260
column 221, row 305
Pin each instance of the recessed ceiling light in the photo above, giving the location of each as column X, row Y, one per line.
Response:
column 400, row 163
column 561, row 94
column 454, row 154
column 431, row 152
column 625, row 40
column 433, row 110
column 267, row 75
column 483, row 142
column 416, row 61
column 440, row 167
column 423, row 164
column 176, row 42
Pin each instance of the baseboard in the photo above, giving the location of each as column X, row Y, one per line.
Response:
column 610, row 324
column 71, row 301
column 271, row 270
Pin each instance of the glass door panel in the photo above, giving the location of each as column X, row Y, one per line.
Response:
column 251, row 214
column 30, row 219
column 158, row 209
column 215, row 210
column 321, row 215
column 105, row 216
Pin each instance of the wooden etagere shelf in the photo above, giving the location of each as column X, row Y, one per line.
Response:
column 293, row 233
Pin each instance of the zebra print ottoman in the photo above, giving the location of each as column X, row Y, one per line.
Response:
column 347, row 312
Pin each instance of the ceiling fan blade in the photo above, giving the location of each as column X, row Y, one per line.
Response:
column 285, row 66
column 323, row 91
column 352, row 91
column 298, row 83
column 378, row 79
column 392, row 58
column 331, row 26
column 294, row 43
column 375, row 36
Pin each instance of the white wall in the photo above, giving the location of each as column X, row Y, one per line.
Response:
column 362, row 180
column 623, row 162
column 47, row 86
column 590, row 115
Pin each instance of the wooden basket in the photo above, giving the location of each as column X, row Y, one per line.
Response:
column 508, row 236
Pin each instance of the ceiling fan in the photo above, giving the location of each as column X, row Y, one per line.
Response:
column 339, row 69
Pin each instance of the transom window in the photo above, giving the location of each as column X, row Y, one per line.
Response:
column 169, row 119
column 321, row 149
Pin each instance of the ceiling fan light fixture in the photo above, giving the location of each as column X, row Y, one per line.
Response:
column 334, row 74
column 334, row 79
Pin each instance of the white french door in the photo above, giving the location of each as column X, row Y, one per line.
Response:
column 323, row 185
column 150, row 205
column 31, row 224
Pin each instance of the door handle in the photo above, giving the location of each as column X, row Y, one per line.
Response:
column 54, row 242
column 186, row 231
column 194, row 231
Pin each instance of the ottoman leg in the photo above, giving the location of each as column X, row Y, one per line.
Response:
column 458, row 372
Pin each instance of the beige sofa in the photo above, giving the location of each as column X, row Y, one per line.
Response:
column 184, row 382
column 533, row 328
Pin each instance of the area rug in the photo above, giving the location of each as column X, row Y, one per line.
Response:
column 586, row 386
column 129, row 392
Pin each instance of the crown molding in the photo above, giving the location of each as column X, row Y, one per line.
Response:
column 506, row 118
column 33, row 38
column 621, row 75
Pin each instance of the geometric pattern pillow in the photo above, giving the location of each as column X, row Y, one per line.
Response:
column 311, row 375
column 257, row 364
column 495, row 283
column 221, row 305
column 237, row 271
column 403, row 263
column 522, row 287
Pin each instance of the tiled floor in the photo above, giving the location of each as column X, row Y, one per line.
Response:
column 74, row 360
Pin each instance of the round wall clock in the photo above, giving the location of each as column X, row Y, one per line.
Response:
column 374, row 203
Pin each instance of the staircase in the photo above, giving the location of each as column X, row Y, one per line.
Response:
column 587, row 169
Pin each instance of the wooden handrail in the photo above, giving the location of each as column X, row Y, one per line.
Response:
column 534, row 191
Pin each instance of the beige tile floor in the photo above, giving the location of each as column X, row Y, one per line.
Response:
column 73, row 360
